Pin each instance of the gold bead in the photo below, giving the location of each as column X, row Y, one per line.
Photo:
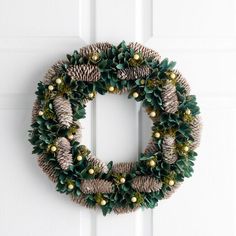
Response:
column 70, row 186
column 58, row 81
column 103, row 202
column 157, row 135
column 152, row 114
column 91, row 171
column 95, row 57
column 152, row 163
column 171, row 182
column 79, row 158
column 122, row 180
column 91, row 95
column 135, row 94
column 142, row 81
column 50, row 87
column 136, row 57
column 70, row 136
column 111, row 89
column 133, row 199
column 53, row 148
column 40, row 113
column 186, row 148
column 172, row 75
column 188, row 111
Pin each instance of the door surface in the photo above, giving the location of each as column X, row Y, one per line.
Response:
column 199, row 35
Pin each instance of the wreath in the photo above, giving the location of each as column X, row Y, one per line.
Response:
column 164, row 93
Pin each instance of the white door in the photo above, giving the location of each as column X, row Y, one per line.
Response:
column 199, row 35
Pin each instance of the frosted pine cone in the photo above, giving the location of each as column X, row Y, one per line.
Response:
column 35, row 111
column 196, row 131
column 170, row 99
column 151, row 148
column 146, row 184
column 63, row 111
column 182, row 81
column 123, row 167
column 168, row 194
column 84, row 72
column 81, row 200
column 169, row 152
column 55, row 71
column 122, row 210
column 133, row 73
column 64, row 156
column 98, row 163
column 47, row 168
column 146, row 52
column 90, row 186
column 97, row 47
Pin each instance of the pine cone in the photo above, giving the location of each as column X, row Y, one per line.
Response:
column 170, row 99
column 133, row 73
column 146, row 184
column 91, row 186
column 169, row 152
column 35, row 111
column 84, row 72
column 78, row 134
column 182, row 81
column 168, row 194
column 196, row 132
column 123, row 167
column 146, row 52
column 97, row 47
column 55, row 71
column 63, row 111
column 98, row 163
column 151, row 148
column 47, row 168
column 82, row 201
column 122, row 210
column 64, row 156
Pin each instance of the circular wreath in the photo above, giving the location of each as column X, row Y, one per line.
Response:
column 56, row 131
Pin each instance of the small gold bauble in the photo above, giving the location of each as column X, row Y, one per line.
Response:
column 95, row 57
column 152, row 114
column 171, row 182
column 70, row 136
column 58, row 81
column 111, row 88
column 186, row 148
column 142, row 81
column 91, row 95
column 135, row 94
column 40, row 113
column 157, row 135
column 79, row 158
column 136, row 57
column 122, row 180
column 70, row 186
column 91, row 171
column 188, row 112
column 50, row 87
column 172, row 75
column 152, row 163
column 133, row 199
column 103, row 202
column 53, row 148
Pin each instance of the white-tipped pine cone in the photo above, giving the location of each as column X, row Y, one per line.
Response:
column 91, row 186
column 96, row 47
column 47, row 168
column 146, row 52
column 169, row 151
column 123, row 167
column 168, row 194
column 64, row 156
column 35, row 111
column 146, row 184
column 170, row 99
column 63, row 111
column 196, row 132
column 151, row 148
column 122, row 210
column 81, row 200
column 133, row 73
column 182, row 81
column 97, row 163
column 84, row 72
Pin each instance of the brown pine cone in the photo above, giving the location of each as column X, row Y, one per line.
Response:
column 133, row 73
column 96, row 47
column 169, row 152
column 91, row 186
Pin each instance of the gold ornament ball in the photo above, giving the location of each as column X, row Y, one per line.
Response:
column 95, row 57
column 70, row 136
column 152, row 114
column 171, row 182
column 186, row 148
column 152, row 163
column 50, row 87
column 103, row 202
column 79, row 158
column 136, row 57
column 70, row 186
column 172, row 75
column 142, row 81
column 40, row 113
column 91, row 95
column 111, row 88
column 122, row 180
column 157, row 135
column 91, row 171
column 133, row 199
column 53, row 148
column 58, row 81
column 135, row 94
column 188, row 112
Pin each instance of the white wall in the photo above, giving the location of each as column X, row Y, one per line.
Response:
column 199, row 35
